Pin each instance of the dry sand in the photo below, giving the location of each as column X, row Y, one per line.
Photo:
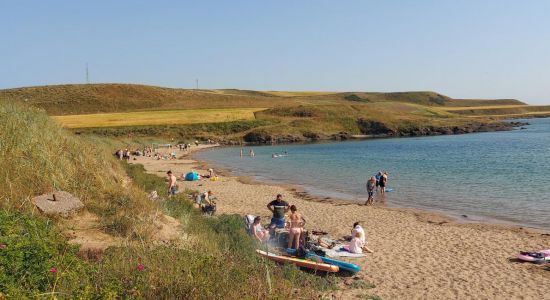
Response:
column 418, row 255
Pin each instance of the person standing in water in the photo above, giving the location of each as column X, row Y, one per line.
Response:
column 377, row 177
column 371, row 186
column 383, row 182
column 252, row 153
column 241, row 152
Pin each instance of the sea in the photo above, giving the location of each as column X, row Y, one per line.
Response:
column 501, row 177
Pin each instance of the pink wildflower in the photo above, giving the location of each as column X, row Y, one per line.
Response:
column 140, row 267
column 53, row 270
column 3, row 246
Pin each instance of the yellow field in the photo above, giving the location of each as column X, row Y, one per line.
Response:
column 481, row 107
column 165, row 117
column 297, row 93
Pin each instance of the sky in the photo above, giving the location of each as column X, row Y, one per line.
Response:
column 463, row 49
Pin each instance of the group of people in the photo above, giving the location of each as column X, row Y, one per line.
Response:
column 378, row 183
column 123, row 154
column 250, row 153
column 295, row 223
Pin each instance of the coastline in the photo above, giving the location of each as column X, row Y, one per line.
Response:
column 302, row 191
column 421, row 253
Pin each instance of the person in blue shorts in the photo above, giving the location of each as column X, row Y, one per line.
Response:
column 278, row 207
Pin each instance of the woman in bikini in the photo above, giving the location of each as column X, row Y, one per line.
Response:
column 295, row 227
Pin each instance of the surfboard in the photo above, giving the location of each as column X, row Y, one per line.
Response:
column 310, row 264
column 346, row 266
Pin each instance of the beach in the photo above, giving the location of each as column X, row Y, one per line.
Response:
column 417, row 254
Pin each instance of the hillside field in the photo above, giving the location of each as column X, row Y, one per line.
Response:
column 263, row 116
column 164, row 117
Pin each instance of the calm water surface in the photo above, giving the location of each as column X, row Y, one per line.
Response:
column 501, row 176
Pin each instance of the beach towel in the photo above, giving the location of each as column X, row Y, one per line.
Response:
column 336, row 252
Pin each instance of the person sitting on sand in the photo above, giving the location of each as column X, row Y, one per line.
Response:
column 357, row 228
column 356, row 245
column 258, row 231
column 278, row 207
column 172, row 187
column 371, row 186
column 295, row 227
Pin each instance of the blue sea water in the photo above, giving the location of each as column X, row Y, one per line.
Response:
column 496, row 176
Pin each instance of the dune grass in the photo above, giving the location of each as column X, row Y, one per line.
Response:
column 215, row 258
column 164, row 117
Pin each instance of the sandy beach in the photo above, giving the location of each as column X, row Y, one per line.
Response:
column 418, row 255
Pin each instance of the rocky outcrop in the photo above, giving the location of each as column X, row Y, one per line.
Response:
column 373, row 127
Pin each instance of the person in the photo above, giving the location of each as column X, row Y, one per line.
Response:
column 252, row 153
column 241, row 152
column 377, row 177
column 278, row 207
column 383, row 182
column 356, row 245
column 357, row 228
column 207, row 196
column 258, row 231
column 295, row 227
column 371, row 185
column 172, row 187
column 211, row 173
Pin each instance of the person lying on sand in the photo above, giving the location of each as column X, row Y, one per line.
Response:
column 258, row 231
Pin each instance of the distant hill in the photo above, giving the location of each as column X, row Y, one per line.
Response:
column 102, row 98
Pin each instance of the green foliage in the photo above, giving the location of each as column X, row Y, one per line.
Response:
column 41, row 157
column 207, row 130
column 35, row 258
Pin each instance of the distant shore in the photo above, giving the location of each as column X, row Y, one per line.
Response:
column 417, row 253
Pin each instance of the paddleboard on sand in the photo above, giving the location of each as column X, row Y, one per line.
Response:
column 535, row 256
column 310, row 264
column 346, row 266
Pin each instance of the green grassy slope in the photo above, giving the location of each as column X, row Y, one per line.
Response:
column 216, row 261
column 94, row 98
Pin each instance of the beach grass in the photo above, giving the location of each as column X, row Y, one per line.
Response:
column 212, row 259
column 164, row 117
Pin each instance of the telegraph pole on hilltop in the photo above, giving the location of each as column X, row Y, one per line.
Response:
column 196, row 84
column 87, row 74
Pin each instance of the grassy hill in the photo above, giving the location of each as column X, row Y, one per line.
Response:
column 96, row 98
column 260, row 116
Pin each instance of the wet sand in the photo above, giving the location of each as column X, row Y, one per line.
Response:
column 418, row 254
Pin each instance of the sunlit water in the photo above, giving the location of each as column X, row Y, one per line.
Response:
column 500, row 176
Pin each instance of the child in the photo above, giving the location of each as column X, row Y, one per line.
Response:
column 356, row 245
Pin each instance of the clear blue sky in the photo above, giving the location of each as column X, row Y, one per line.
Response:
column 464, row 49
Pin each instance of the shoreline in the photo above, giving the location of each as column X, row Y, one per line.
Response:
column 301, row 191
column 418, row 254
